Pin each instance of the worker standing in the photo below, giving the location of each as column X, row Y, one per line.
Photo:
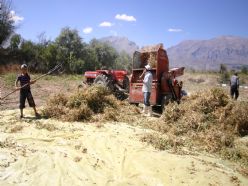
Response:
column 147, row 89
column 25, row 92
column 234, row 86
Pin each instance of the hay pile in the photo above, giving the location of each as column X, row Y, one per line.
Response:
column 152, row 60
column 207, row 121
column 82, row 106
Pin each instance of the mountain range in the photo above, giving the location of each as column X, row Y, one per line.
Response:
column 209, row 54
column 120, row 44
column 196, row 54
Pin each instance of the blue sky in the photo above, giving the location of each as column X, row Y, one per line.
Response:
column 142, row 21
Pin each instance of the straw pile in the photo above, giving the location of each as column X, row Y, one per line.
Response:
column 152, row 60
column 207, row 121
column 81, row 106
column 151, row 48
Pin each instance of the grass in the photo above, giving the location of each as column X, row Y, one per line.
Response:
column 9, row 79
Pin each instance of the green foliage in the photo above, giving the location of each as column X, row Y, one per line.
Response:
column 105, row 54
column 15, row 41
column 6, row 23
column 77, row 66
column 28, row 50
column 124, row 61
column 90, row 58
column 225, row 77
column 9, row 79
column 69, row 41
column 244, row 70
column 223, row 68
column 68, row 48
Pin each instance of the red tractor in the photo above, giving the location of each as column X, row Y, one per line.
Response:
column 165, row 86
column 116, row 80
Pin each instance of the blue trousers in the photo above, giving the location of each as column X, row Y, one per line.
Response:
column 147, row 96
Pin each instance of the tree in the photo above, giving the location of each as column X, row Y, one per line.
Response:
column 6, row 22
column 27, row 48
column 50, row 55
column 15, row 41
column 69, row 45
column 106, row 55
column 124, row 61
column 90, row 59
column 223, row 68
column 29, row 54
column 244, row 70
column 42, row 39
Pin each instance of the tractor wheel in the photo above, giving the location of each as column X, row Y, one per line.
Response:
column 126, row 84
column 104, row 81
column 165, row 101
column 120, row 95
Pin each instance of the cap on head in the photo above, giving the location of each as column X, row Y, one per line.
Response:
column 148, row 67
column 24, row 66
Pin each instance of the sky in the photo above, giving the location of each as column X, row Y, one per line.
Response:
column 143, row 21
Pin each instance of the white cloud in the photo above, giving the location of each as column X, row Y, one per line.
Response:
column 125, row 17
column 87, row 30
column 17, row 19
column 106, row 24
column 175, row 30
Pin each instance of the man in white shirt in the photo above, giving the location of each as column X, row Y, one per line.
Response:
column 147, row 89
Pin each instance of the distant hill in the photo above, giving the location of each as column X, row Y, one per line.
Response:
column 209, row 54
column 120, row 44
column 196, row 54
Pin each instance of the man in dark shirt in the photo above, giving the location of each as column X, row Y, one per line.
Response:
column 25, row 93
column 234, row 86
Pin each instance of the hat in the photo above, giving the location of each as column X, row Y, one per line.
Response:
column 24, row 66
column 148, row 67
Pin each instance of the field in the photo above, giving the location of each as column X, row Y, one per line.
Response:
column 120, row 146
column 44, row 88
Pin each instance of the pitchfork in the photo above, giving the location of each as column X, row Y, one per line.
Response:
column 56, row 68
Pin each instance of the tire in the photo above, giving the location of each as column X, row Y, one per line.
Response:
column 165, row 101
column 107, row 82
column 120, row 95
column 104, row 81
column 126, row 84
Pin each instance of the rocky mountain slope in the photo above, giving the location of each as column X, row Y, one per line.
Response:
column 196, row 54
column 121, row 44
column 209, row 54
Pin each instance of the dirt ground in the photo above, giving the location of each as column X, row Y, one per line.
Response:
column 41, row 90
column 50, row 152
column 51, row 85
column 194, row 82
